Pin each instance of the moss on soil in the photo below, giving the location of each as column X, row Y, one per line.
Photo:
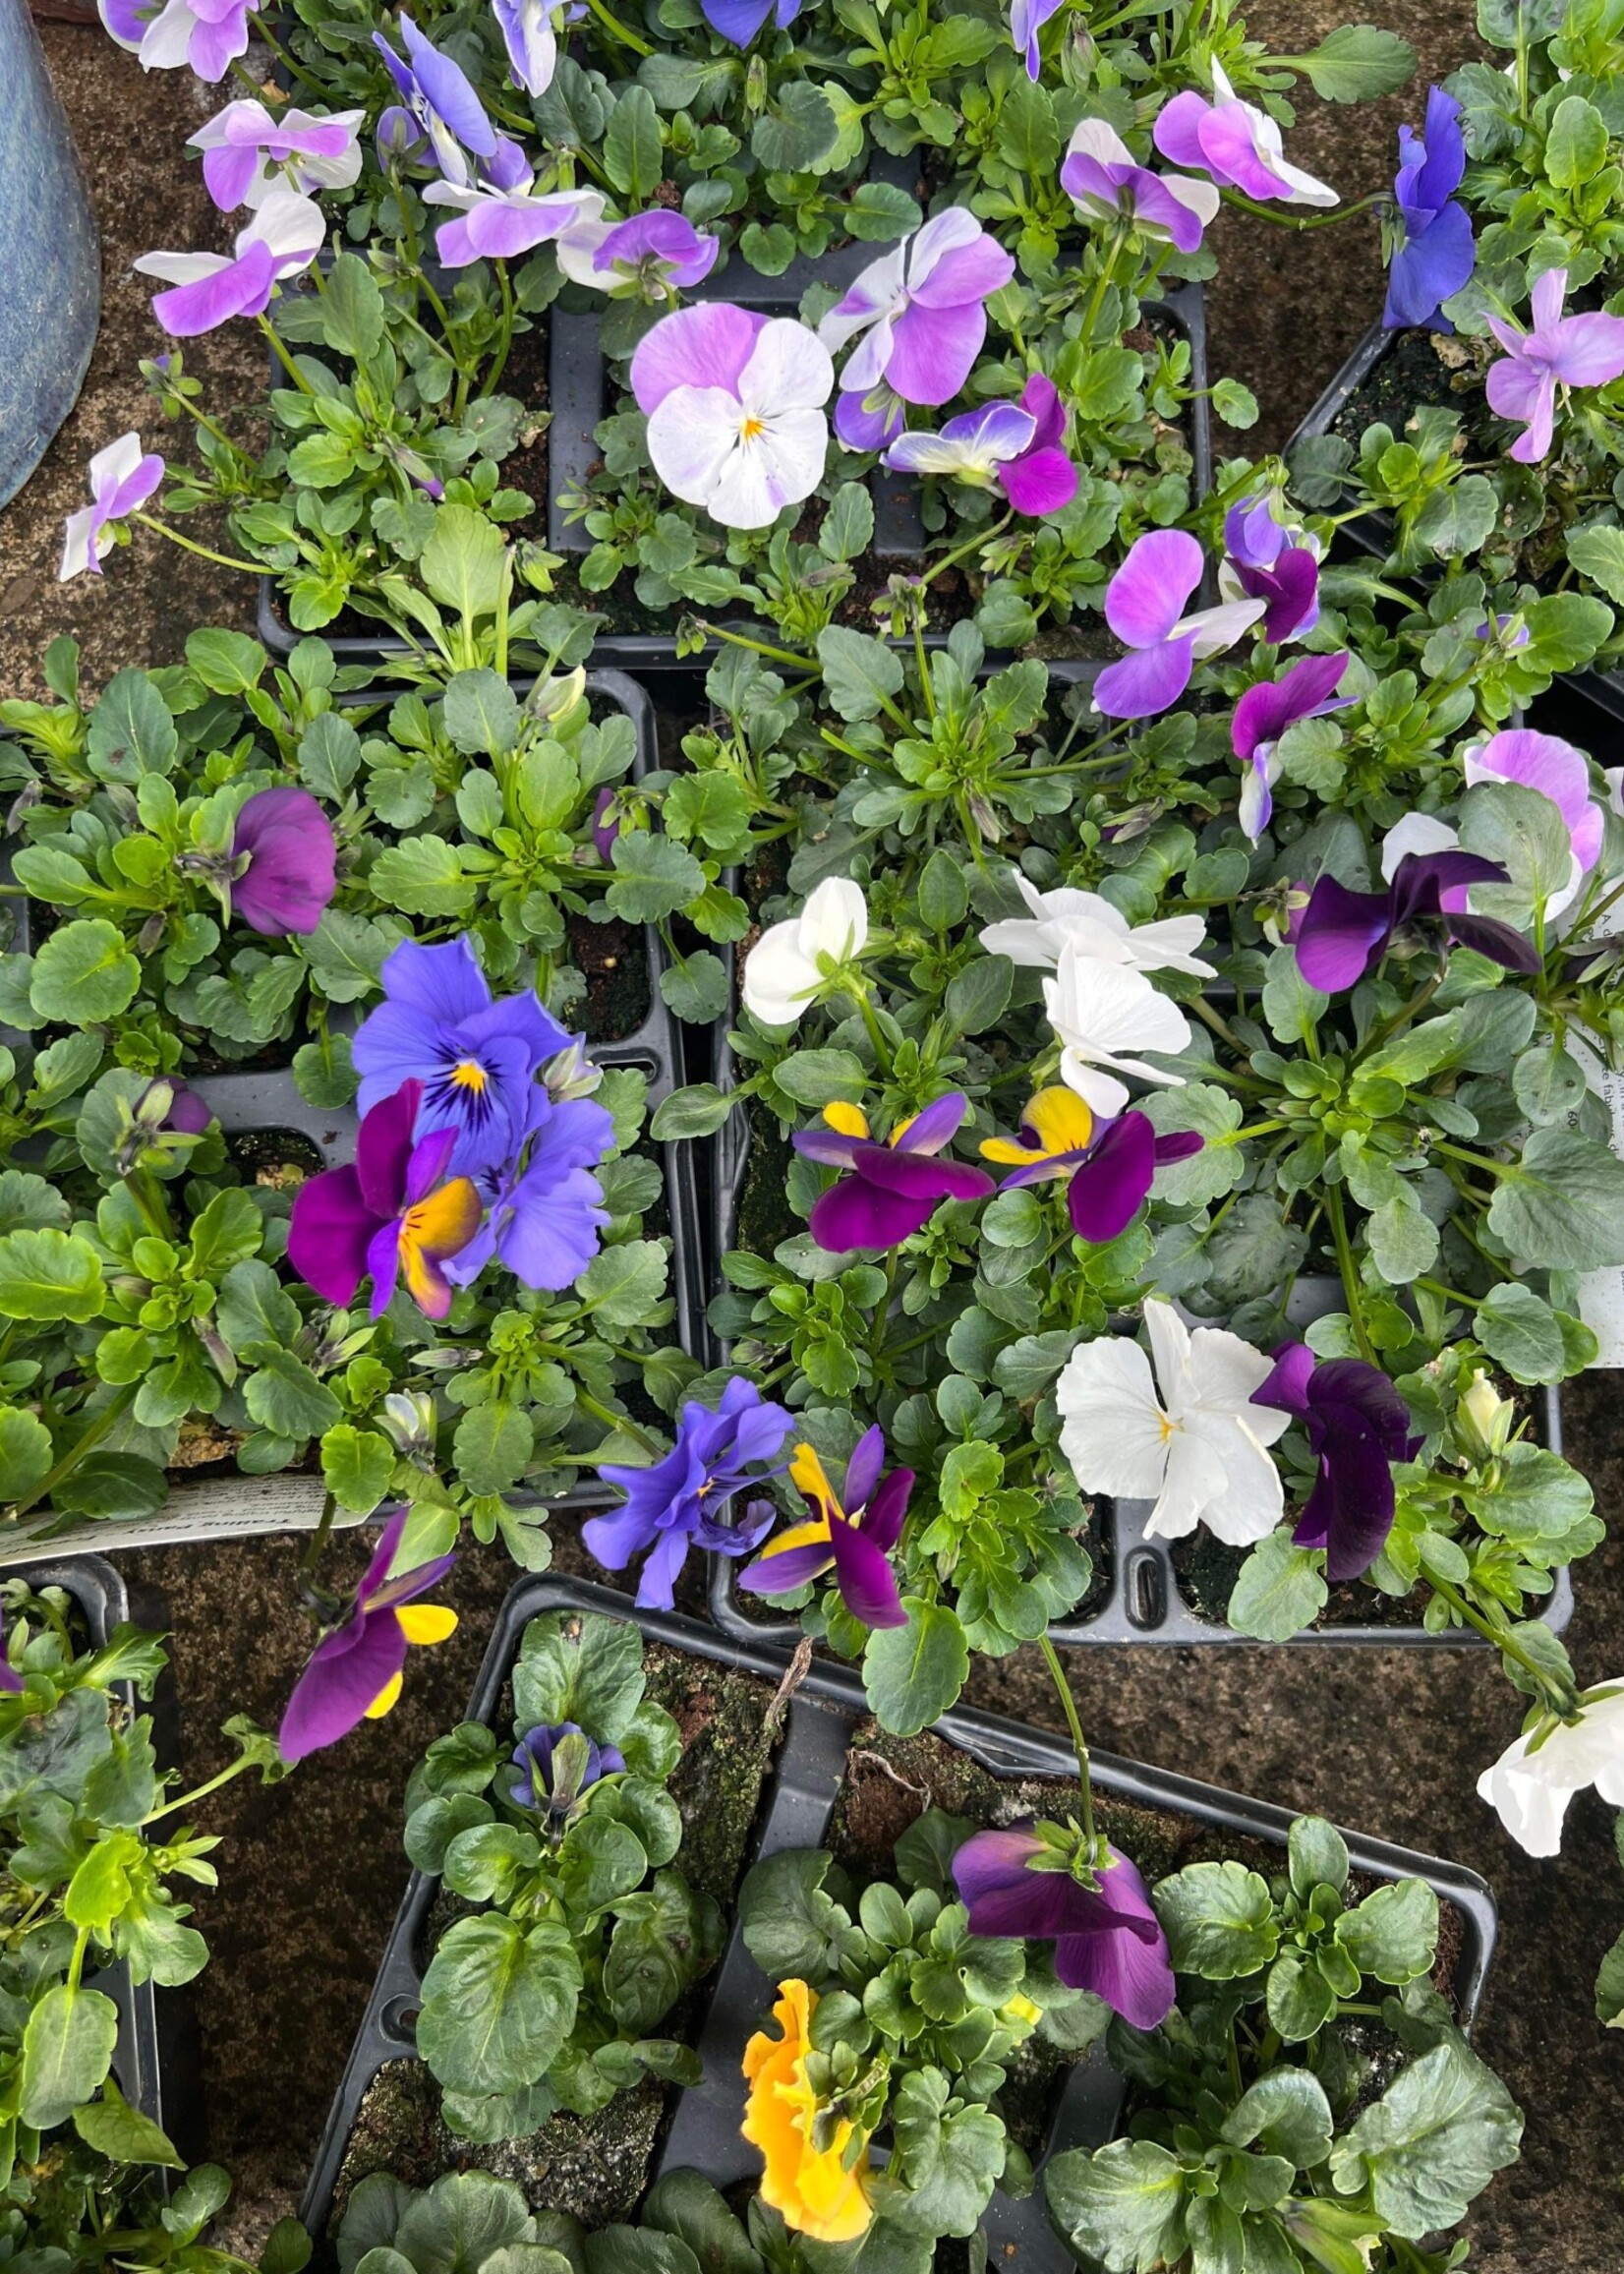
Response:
column 596, row 2167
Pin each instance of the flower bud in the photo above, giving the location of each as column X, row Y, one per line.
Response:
column 571, row 1073
column 408, row 1422
column 1483, row 1420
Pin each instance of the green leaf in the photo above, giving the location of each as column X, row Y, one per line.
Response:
column 228, row 663
column 1123, row 2204
column 329, row 756
column 696, row 990
column 848, row 528
column 1433, row 2143
column 1576, row 142
column 1319, row 1856
column 978, row 996
column 130, row 731
column 423, row 876
column 1521, row 1332
column 103, row 1485
column 254, row 1307
column 798, row 131
column 817, row 1077
column 50, row 1275
column 912, row 1673
column 623, row 1284
column 1597, row 552
column 67, row 2052
column 482, row 714
column 1357, row 63
column 1300, row 1999
column 792, row 1927
column 462, row 563
column 26, row 1454
column 352, row 309
column 84, row 973
column 1393, row 1932
column 1610, row 1986
column 1562, row 1206
column 588, row 1672
column 860, row 673
column 654, row 877
column 498, row 2002
column 356, row 1466
column 1521, row 829
column 633, row 158
column 114, row 2129
column 698, row 1111
column 1219, row 1920
column 1287, row 2114
column 284, row 1397
column 1279, row 1591
column 493, row 1445
column 1235, row 404
column 686, row 2205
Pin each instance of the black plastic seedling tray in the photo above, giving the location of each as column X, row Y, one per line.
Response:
column 1374, row 531
column 1144, row 1602
column 154, row 2059
column 702, row 2134
column 270, row 1099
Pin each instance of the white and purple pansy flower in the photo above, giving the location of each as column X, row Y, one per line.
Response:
column 205, row 36
column 1263, row 713
column 1026, row 20
column 530, row 35
column 282, row 239
column 734, row 404
column 1144, row 606
column 1103, row 180
column 1274, row 563
column 440, row 105
column 1236, row 144
column 120, row 480
column 499, row 217
column 1561, row 352
column 920, row 311
column 648, row 257
column 247, row 154
column 1011, row 447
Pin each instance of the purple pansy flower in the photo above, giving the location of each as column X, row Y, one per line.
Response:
column 740, row 20
column 735, row 403
column 289, row 878
column 650, row 256
column 854, row 1540
column 439, row 102
column 1015, row 445
column 1356, row 1426
column 121, row 481
column 1561, row 351
column 677, row 1503
column 532, row 42
column 604, row 827
column 1144, row 606
column 543, row 1207
column 190, row 1113
column 1101, row 177
column 247, row 154
column 1277, row 565
column 476, row 1058
column 354, row 1673
column 500, row 217
column 1026, row 20
column 281, row 238
column 890, row 1190
column 922, row 310
column 389, row 1214
column 1106, row 1935
column 558, row 1763
column 10, row 1679
column 205, row 36
column 873, row 421
column 1433, row 257
column 1343, row 935
column 1109, row 1166
column 1236, row 144
column 1262, row 715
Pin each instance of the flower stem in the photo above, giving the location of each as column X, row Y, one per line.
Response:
column 621, row 1422
column 199, row 1791
column 190, row 545
column 1079, row 1744
column 1349, row 1271
column 617, row 31
column 1294, row 220
column 1562, row 1701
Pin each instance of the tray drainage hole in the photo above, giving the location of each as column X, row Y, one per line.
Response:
column 1146, row 1587
column 400, row 2019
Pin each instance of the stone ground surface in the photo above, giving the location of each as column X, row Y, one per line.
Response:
column 1389, row 1742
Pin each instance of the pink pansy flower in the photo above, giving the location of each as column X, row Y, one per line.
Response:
column 922, row 309
column 1561, row 351
column 1015, row 446
column 248, row 153
column 282, row 239
column 652, row 256
column 1534, row 761
column 121, row 480
column 1144, row 606
column 734, row 404
column 1236, row 144
column 501, row 215
column 206, row 35
column 1101, row 178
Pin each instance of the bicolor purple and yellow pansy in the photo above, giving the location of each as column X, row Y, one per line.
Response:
column 1109, row 1165
column 891, row 1190
column 394, row 1215
column 354, row 1675
column 854, row 1540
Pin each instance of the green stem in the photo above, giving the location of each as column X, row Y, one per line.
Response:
column 190, row 545
column 1079, row 1744
column 1349, row 1271
column 620, row 1422
column 279, row 351
column 1564, row 1702
column 311, row 1557
column 876, row 1032
column 1295, row 220
column 111, row 1414
column 617, row 31
column 199, row 1791
column 981, row 537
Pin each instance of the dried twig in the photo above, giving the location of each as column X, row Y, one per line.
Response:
column 795, row 1675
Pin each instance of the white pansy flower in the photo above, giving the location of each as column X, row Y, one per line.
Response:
column 785, row 969
column 1187, row 1438
column 1089, row 923
column 1534, row 1779
column 1102, row 1012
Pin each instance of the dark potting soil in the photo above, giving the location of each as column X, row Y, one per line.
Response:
column 596, row 2167
column 1420, row 366
column 612, row 961
column 1207, row 1570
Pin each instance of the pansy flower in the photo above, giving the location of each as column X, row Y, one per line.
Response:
column 792, row 962
column 248, row 153
column 1011, row 447
column 740, row 20
column 1267, row 561
column 734, row 404
column 1105, row 1015
column 1264, row 713
column 1098, row 1913
column 281, row 240
column 354, row 1675
column 650, row 257
column 921, row 310
column 545, row 1212
column 890, row 1191
column 557, row 1764
column 1102, row 180
column 1109, row 1166
column 439, row 103
column 121, row 481
column 1356, row 1426
column 285, row 844
column 1236, row 144
column 1344, row 935
column 1433, row 256
column 205, row 36
column 1559, row 353
column 500, row 215
column 391, row 1215
column 1144, row 606
column 854, row 1540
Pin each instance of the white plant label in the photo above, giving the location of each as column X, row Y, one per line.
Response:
column 1601, row 1293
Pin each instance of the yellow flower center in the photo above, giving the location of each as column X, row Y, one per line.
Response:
column 470, row 1074
column 750, row 427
